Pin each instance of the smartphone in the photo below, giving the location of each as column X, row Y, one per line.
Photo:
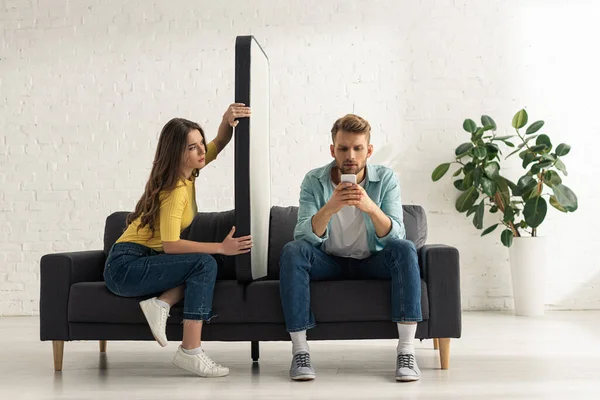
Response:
column 348, row 178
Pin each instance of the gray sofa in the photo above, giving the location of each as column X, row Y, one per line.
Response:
column 76, row 305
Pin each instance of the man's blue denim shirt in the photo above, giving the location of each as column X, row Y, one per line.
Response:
column 381, row 185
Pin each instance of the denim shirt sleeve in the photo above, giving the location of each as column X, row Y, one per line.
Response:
column 391, row 205
column 307, row 209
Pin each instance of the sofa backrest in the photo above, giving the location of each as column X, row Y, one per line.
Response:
column 214, row 227
column 283, row 222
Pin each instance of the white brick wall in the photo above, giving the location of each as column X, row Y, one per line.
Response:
column 85, row 87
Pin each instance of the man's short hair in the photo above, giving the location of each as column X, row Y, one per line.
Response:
column 351, row 123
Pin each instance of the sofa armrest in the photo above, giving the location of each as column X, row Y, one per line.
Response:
column 440, row 269
column 57, row 273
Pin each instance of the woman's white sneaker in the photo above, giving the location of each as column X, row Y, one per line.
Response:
column 199, row 364
column 156, row 315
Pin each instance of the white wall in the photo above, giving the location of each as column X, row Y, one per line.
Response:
column 85, row 87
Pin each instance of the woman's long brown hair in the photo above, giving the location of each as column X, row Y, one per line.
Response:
column 166, row 170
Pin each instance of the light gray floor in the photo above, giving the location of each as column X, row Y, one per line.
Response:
column 500, row 356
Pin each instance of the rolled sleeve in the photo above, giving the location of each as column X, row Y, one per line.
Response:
column 391, row 205
column 307, row 209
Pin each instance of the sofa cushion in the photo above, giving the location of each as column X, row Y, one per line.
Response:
column 332, row 301
column 93, row 302
column 258, row 302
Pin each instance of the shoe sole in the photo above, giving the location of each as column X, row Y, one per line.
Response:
column 162, row 343
column 196, row 373
column 407, row 378
column 303, row 377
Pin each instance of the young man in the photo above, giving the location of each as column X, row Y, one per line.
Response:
column 347, row 230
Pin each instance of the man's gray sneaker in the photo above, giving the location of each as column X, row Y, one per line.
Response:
column 407, row 369
column 301, row 369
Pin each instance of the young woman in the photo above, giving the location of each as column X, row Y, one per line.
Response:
column 150, row 257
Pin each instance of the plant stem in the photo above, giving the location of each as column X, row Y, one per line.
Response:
column 511, row 225
column 523, row 140
column 533, row 232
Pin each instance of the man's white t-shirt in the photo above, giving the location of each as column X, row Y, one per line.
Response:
column 347, row 233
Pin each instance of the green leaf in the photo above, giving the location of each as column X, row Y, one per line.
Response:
column 440, row 171
column 565, row 197
column 510, row 184
column 477, row 174
column 472, row 210
column 466, row 199
column 486, row 120
column 522, row 154
column 554, row 203
column 533, row 128
column 503, row 137
column 525, row 184
column 516, row 151
column 535, row 211
column 536, row 168
column 475, row 137
column 520, row 119
column 523, row 224
column 509, row 144
column 494, row 209
column 509, row 214
column 492, row 170
column 561, row 167
column 457, row 173
column 507, row 237
column 490, row 229
column 459, row 184
column 478, row 217
column 551, row 178
column 489, row 186
column 528, row 159
column 563, row 149
column 545, row 140
column 469, row 167
column 549, row 157
column 480, row 152
column 538, row 148
column 470, row 126
column 468, row 180
column 530, row 194
column 463, row 148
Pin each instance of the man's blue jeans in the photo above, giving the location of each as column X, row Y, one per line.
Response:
column 301, row 263
column 134, row 270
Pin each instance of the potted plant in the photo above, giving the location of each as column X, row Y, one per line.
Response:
column 521, row 207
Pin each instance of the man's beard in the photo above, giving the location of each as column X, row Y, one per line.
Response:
column 357, row 169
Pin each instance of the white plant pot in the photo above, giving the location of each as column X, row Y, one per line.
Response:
column 528, row 270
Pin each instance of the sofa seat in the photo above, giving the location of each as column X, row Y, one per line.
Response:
column 257, row 302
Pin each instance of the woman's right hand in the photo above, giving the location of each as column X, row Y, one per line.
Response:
column 231, row 246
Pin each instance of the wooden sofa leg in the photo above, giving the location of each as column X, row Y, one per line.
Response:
column 436, row 344
column 444, row 344
column 58, row 347
column 254, row 350
column 103, row 346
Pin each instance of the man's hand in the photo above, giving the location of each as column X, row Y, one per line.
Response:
column 365, row 204
column 345, row 194
column 235, row 110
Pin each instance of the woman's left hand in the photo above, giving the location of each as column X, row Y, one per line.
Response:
column 234, row 111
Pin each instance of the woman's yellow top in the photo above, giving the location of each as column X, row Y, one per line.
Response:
column 177, row 211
